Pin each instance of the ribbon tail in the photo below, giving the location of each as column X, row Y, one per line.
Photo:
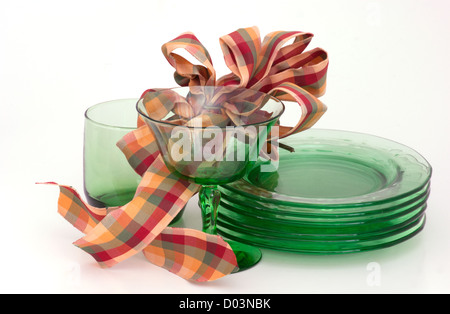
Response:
column 129, row 229
column 184, row 252
column 192, row 254
column 81, row 215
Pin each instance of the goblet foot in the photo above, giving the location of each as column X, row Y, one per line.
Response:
column 246, row 256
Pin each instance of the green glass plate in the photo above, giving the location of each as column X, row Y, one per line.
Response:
column 390, row 217
column 325, row 215
column 325, row 246
column 336, row 169
column 337, row 192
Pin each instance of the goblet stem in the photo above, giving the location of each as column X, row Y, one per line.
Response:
column 209, row 199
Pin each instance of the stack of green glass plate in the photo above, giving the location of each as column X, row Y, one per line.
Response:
column 338, row 192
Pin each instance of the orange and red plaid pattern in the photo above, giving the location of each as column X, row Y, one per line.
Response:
column 286, row 72
column 271, row 66
column 113, row 235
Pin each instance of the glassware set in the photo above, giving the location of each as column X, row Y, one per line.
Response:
column 334, row 192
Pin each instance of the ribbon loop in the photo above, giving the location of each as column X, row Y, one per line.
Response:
column 241, row 51
column 311, row 107
column 273, row 51
column 275, row 67
column 187, row 73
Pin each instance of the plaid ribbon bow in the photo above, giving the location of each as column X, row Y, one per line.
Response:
column 114, row 234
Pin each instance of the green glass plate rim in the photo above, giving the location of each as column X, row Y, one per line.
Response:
column 227, row 210
column 330, row 213
column 325, row 249
column 345, row 231
column 223, row 189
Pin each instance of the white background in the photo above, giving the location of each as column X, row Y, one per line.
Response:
column 388, row 76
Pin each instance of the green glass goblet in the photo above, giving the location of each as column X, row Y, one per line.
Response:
column 212, row 136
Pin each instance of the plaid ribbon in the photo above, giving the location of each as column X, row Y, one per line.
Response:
column 270, row 66
column 113, row 234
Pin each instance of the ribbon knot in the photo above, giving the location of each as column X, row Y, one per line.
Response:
column 270, row 66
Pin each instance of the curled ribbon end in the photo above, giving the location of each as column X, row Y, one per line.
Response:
column 102, row 262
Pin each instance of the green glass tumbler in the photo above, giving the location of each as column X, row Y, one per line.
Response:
column 108, row 178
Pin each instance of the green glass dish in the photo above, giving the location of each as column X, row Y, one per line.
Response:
column 324, row 216
column 338, row 192
column 336, row 169
column 385, row 219
column 332, row 232
column 325, row 246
